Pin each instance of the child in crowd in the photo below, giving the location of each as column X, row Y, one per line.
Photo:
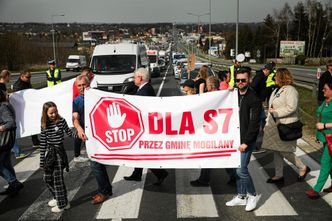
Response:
column 53, row 127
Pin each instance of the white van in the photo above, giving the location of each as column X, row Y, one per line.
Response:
column 75, row 62
column 114, row 65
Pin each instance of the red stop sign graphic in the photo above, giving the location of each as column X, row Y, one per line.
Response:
column 116, row 123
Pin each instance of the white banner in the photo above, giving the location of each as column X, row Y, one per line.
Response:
column 197, row 131
column 28, row 106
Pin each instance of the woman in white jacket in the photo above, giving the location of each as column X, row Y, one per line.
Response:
column 283, row 108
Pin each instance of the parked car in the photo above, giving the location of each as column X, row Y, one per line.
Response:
column 252, row 61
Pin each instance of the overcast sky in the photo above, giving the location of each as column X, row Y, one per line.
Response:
column 137, row 11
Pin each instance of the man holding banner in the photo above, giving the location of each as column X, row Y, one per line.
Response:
column 98, row 169
column 249, row 112
column 141, row 80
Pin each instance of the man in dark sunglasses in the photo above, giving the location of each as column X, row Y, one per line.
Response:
column 23, row 82
column 249, row 110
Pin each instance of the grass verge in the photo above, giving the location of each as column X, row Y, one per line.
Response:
column 308, row 106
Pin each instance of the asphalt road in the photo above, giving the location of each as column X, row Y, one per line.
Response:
column 37, row 78
column 174, row 200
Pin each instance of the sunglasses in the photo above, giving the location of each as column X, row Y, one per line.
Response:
column 241, row 80
column 28, row 77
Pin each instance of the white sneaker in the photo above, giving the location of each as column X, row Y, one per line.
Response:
column 56, row 209
column 252, row 202
column 237, row 201
column 80, row 159
column 52, row 203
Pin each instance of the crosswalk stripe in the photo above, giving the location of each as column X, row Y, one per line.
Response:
column 39, row 210
column 193, row 202
column 24, row 169
column 272, row 201
column 126, row 199
column 313, row 175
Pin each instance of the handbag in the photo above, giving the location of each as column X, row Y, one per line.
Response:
column 287, row 132
column 7, row 139
column 328, row 137
column 291, row 131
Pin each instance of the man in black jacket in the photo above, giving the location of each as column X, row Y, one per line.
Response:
column 141, row 80
column 249, row 110
column 258, row 84
column 23, row 82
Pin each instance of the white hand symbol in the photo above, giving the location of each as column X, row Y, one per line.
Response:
column 114, row 117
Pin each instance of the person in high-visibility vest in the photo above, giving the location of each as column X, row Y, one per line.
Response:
column 53, row 74
column 270, row 82
column 232, row 73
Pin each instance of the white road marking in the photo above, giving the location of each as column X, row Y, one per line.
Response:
column 39, row 210
column 193, row 202
column 126, row 199
column 24, row 169
column 162, row 83
column 272, row 201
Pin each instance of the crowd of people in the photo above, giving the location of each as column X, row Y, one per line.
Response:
column 274, row 100
column 265, row 100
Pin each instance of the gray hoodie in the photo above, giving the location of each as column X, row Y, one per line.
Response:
column 7, row 115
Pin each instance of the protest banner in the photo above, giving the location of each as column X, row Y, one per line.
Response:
column 198, row 131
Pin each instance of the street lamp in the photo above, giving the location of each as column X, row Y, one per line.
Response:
column 198, row 16
column 237, row 28
column 52, row 31
column 209, row 33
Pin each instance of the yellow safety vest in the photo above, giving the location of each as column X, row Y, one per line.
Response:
column 232, row 81
column 51, row 81
column 269, row 81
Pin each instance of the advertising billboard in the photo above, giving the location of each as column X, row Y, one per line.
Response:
column 291, row 48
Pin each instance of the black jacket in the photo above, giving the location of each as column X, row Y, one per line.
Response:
column 326, row 77
column 250, row 109
column 21, row 85
column 3, row 87
column 146, row 90
column 258, row 84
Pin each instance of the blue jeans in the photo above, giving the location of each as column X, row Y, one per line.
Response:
column 244, row 182
column 100, row 173
column 6, row 169
column 16, row 150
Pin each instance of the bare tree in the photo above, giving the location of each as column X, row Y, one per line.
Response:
column 328, row 14
column 286, row 15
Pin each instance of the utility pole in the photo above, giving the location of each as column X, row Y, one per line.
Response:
column 209, row 32
column 237, row 28
column 53, row 41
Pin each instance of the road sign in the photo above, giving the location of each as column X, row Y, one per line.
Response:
column 318, row 73
column 258, row 53
column 116, row 123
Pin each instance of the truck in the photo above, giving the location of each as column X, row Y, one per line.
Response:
column 75, row 62
column 114, row 66
column 154, row 65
